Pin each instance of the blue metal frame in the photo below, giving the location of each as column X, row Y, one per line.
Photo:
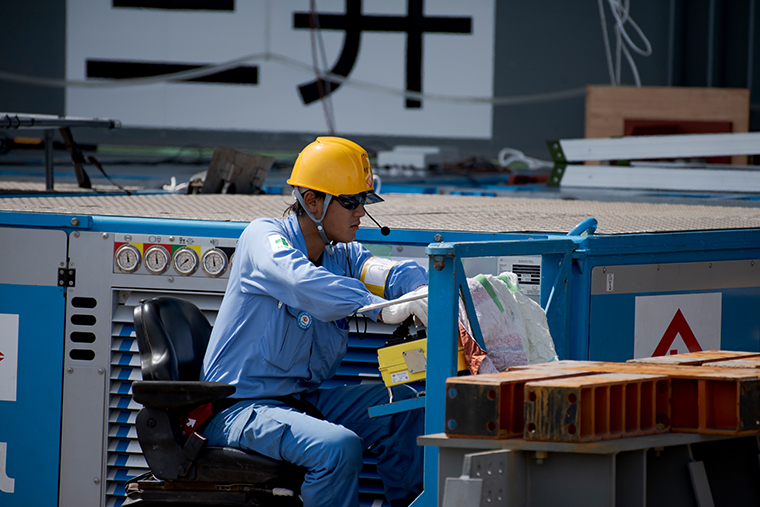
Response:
column 397, row 406
column 566, row 267
column 447, row 281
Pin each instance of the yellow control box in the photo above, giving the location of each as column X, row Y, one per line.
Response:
column 407, row 362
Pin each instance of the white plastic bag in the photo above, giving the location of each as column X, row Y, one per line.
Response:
column 514, row 327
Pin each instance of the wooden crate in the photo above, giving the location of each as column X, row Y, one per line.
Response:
column 597, row 407
column 705, row 399
column 696, row 358
column 744, row 362
column 492, row 406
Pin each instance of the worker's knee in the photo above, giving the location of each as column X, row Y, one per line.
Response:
column 342, row 449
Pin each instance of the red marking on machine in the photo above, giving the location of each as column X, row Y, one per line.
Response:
column 677, row 326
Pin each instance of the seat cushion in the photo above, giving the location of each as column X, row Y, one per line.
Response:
column 228, row 464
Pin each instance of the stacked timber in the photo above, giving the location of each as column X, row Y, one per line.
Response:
column 715, row 392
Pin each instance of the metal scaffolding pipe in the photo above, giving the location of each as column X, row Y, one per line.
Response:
column 48, row 121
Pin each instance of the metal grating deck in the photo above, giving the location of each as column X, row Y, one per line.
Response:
column 416, row 212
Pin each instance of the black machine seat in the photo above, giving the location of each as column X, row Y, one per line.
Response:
column 172, row 336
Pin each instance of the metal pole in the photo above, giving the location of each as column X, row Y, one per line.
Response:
column 710, row 42
column 750, row 44
column 49, row 159
column 443, row 333
column 671, row 42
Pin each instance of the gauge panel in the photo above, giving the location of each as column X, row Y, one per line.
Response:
column 185, row 260
column 157, row 259
column 170, row 256
column 127, row 258
column 214, row 262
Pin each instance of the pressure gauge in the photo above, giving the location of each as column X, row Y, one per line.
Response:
column 156, row 259
column 185, row 261
column 127, row 258
column 214, row 262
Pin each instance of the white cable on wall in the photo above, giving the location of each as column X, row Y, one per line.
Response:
column 315, row 35
column 533, row 98
column 623, row 42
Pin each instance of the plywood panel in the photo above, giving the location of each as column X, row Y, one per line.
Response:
column 607, row 108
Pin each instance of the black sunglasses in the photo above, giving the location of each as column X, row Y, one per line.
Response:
column 351, row 202
column 347, row 202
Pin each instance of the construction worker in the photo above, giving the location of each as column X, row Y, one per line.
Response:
column 282, row 331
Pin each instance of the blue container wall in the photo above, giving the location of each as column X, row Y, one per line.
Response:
column 606, row 324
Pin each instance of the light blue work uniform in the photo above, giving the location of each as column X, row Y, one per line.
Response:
column 281, row 330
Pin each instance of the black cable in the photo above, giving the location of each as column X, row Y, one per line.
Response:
column 77, row 159
column 95, row 162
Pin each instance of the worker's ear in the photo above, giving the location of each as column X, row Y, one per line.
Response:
column 312, row 203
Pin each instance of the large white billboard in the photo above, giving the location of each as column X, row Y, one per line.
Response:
column 368, row 53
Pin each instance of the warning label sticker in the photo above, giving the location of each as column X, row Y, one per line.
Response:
column 402, row 376
column 676, row 324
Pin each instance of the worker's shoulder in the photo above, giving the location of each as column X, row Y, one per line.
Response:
column 265, row 224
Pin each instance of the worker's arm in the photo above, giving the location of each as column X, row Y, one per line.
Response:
column 272, row 265
column 387, row 278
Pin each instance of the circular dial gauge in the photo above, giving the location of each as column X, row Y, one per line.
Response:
column 156, row 259
column 127, row 258
column 185, row 261
column 214, row 262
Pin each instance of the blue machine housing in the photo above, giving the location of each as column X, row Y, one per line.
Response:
column 591, row 316
column 590, row 320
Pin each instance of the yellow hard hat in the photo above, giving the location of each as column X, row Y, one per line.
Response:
column 335, row 166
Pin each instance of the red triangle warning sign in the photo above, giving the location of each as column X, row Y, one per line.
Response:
column 1, row 356
column 677, row 326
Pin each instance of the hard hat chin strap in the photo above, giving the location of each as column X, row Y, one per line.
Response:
column 318, row 222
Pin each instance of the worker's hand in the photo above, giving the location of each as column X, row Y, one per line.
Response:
column 396, row 314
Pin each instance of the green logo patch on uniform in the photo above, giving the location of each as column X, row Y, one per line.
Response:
column 278, row 243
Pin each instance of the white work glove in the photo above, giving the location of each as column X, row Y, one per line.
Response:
column 396, row 314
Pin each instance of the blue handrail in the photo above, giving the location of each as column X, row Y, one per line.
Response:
column 586, row 228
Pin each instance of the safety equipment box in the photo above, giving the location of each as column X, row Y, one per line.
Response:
column 407, row 362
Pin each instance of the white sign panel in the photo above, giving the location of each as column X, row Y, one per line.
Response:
column 378, row 49
column 677, row 324
column 8, row 356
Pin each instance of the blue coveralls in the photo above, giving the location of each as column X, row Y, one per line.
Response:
column 281, row 330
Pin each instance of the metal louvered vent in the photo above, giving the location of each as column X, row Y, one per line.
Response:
column 125, row 459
